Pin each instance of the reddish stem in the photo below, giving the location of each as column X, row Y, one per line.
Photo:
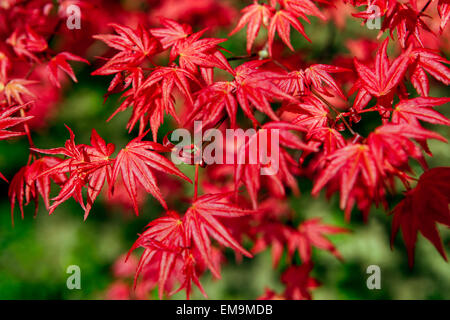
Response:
column 27, row 129
column 196, row 182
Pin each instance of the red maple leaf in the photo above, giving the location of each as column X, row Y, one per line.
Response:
column 381, row 81
column 168, row 78
column 391, row 146
column 348, row 164
column 254, row 15
column 413, row 110
column 172, row 34
column 135, row 163
column 201, row 223
column 87, row 166
column 281, row 22
column 7, row 120
column 309, row 234
column 423, row 207
column 194, row 52
column 298, row 282
column 165, row 246
column 257, row 88
column 60, row 62
column 134, row 47
column 29, row 183
column 316, row 76
column 423, row 61
column 257, row 154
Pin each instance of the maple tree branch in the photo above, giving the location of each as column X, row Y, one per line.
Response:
column 425, row 7
column 254, row 55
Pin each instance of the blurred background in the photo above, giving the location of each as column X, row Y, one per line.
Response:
column 35, row 253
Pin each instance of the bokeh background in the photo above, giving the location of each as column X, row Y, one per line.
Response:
column 35, row 253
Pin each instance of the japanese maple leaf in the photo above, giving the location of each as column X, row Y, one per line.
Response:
column 412, row 110
column 423, row 61
column 194, row 52
column 169, row 78
column 422, row 208
column 201, row 223
column 60, row 62
column 165, row 242
column 348, row 164
column 298, row 282
column 29, row 183
column 135, row 163
column 391, row 145
column 257, row 88
column 407, row 20
column 212, row 100
column 309, row 234
column 134, row 47
column 301, row 8
column 274, row 234
column 281, row 22
column 311, row 113
column 172, row 34
column 381, row 81
column 87, row 166
column 7, row 120
column 257, row 154
column 27, row 43
column 16, row 88
column 254, row 16
column 316, row 76
column 149, row 105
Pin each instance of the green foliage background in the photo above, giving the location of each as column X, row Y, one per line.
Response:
column 35, row 254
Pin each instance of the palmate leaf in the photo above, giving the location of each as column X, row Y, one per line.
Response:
column 413, row 110
column 299, row 282
column 134, row 46
column 348, row 164
column 391, row 145
column 169, row 78
column 423, row 207
column 257, row 88
column 60, row 62
column 423, row 61
column 172, row 34
column 382, row 80
column 281, row 22
column 250, row 160
column 136, row 163
column 311, row 233
column 164, row 242
column 88, row 167
column 202, row 223
column 7, row 120
column 386, row 76
column 194, row 52
column 254, row 16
